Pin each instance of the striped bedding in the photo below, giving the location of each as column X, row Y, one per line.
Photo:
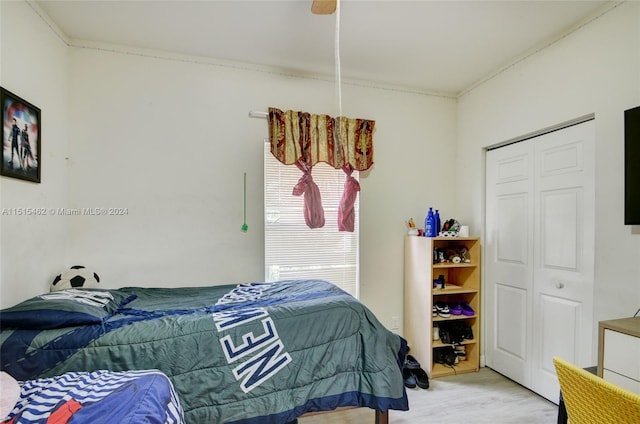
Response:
column 98, row 397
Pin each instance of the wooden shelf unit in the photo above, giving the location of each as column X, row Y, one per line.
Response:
column 462, row 283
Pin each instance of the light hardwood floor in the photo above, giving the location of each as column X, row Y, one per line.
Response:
column 474, row 398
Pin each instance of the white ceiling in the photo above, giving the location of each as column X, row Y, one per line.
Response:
column 434, row 46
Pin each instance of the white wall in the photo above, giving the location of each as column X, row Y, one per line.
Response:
column 168, row 138
column 34, row 67
column 596, row 69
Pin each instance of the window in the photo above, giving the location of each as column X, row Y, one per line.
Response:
column 293, row 250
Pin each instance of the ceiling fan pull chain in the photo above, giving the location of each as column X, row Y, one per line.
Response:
column 337, row 59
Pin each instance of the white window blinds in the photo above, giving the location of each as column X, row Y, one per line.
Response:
column 293, row 250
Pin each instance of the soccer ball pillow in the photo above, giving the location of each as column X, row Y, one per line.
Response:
column 76, row 277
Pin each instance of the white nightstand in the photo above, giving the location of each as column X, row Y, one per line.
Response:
column 619, row 352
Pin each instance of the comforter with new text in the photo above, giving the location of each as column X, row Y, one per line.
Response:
column 263, row 352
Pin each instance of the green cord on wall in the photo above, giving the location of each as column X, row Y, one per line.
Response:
column 245, row 227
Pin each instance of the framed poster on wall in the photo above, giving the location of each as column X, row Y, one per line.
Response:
column 21, row 143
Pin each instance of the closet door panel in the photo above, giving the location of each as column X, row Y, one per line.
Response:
column 560, row 228
column 509, row 253
column 511, row 328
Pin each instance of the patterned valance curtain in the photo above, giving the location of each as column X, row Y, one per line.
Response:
column 304, row 139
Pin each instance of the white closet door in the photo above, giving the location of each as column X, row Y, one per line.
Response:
column 565, row 253
column 546, row 307
column 509, row 259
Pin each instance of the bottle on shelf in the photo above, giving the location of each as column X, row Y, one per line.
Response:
column 430, row 224
column 436, row 216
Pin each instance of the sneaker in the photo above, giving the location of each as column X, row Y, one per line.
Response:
column 410, row 362
column 437, row 356
column 468, row 333
column 464, row 331
column 455, row 308
column 409, row 378
column 442, row 309
column 461, row 352
column 422, row 379
column 451, row 332
column 466, row 309
column 445, row 337
column 445, row 355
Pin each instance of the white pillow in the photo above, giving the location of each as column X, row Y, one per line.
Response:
column 9, row 394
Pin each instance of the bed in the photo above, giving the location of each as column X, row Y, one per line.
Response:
column 264, row 352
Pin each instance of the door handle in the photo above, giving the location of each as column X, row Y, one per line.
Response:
column 559, row 284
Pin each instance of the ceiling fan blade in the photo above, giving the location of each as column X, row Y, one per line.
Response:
column 323, row 7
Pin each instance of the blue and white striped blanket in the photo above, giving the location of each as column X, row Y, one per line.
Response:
column 98, row 397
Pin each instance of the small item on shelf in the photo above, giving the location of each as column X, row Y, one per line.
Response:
column 454, row 332
column 453, row 256
column 438, row 283
column 467, row 310
column 442, row 309
column 445, row 355
column 438, row 256
column 463, row 252
column 430, row 224
column 450, row 228
column 467, row 332
column 436, row 332
column 455, row 308
column 461, row 352
column 413, row 231
column 445, row 335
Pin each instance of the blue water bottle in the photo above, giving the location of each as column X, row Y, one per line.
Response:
column 438, row 225
column 430, row 224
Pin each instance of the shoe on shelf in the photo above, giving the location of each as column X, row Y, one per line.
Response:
column 442, row 309
column 445, row 337
column 437, row 356
column 466, row 309
column 455, row 308
column 434, row 311
column 452, row 332
column 467, row 332
column 445, row 355
column 409, row 379
column 436, row 333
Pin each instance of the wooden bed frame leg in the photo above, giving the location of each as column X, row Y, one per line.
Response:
column 382, row 417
